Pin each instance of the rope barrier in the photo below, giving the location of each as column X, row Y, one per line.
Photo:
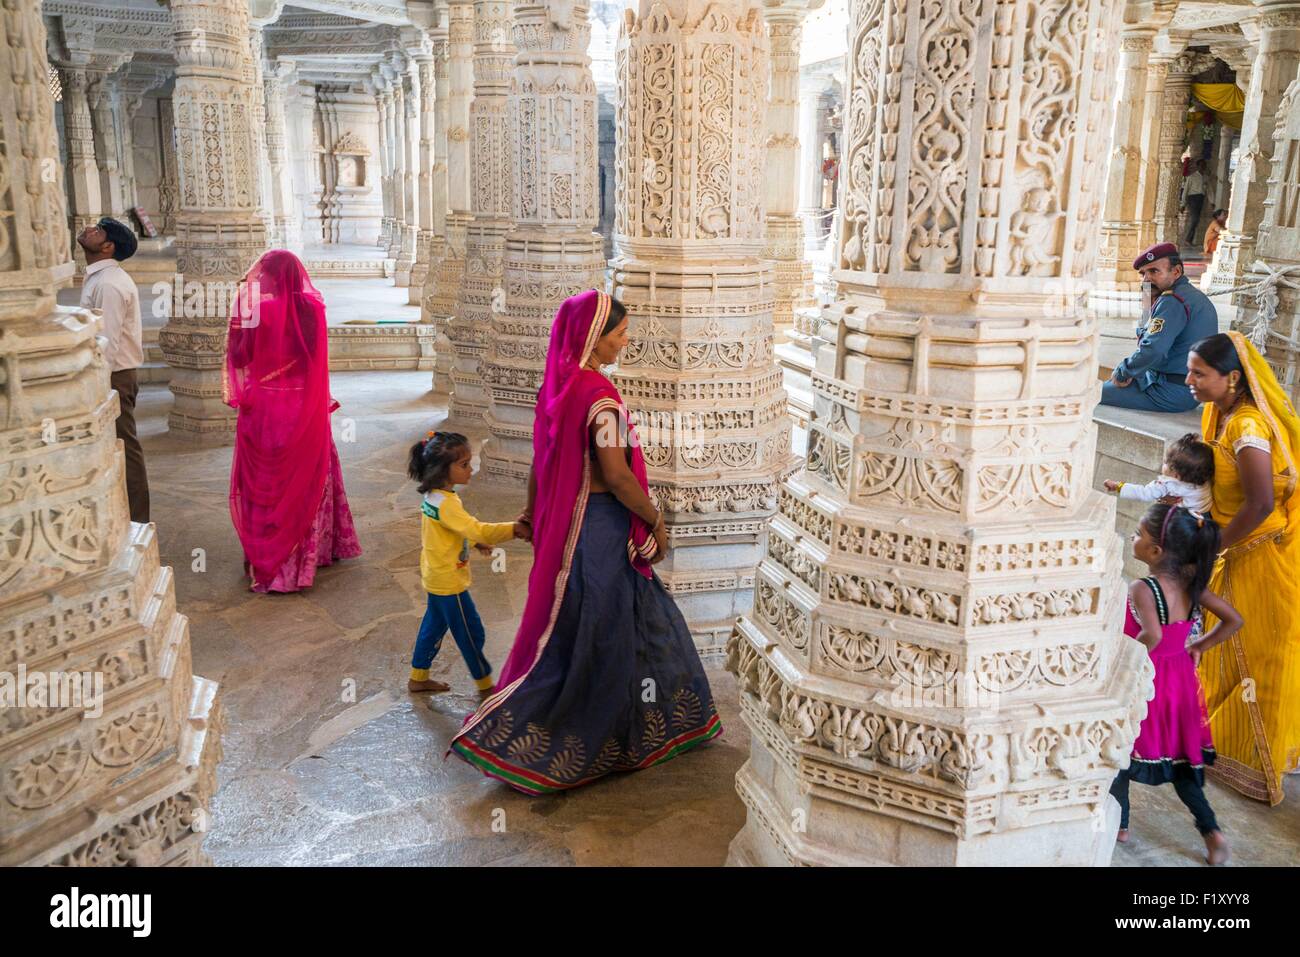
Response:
column 1266, row 302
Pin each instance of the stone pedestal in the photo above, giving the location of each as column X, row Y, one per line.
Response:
column 553, row 252
column 482, row 293
column 1275, row 67
column 689, row 230
column 932, row 672
column 449, row 270
column 219, row 230
column 115, row 766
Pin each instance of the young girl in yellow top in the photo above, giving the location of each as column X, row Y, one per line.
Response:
column 446, row 531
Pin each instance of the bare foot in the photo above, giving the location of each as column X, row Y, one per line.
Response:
column 1217, row 850
column 1122, row 836
column 416, row 687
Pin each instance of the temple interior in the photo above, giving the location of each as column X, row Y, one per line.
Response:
column 871, row 310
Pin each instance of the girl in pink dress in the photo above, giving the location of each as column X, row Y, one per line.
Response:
column 286, row 486
column 1179, row 547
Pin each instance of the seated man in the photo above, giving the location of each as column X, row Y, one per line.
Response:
column 1154, row 377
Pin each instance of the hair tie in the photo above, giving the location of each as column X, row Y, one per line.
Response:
column 1200, row 519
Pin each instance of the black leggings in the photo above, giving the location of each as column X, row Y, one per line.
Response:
column 1189, row 792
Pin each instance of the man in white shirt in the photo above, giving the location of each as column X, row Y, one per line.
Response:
column 110, row 289
column 1194, row 199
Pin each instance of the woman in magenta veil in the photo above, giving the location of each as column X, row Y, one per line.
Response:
column 603, row 675
column 286, row 486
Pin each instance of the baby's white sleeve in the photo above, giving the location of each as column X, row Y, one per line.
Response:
column 1151, row 492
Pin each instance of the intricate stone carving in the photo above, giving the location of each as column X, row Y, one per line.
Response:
column 932, row 636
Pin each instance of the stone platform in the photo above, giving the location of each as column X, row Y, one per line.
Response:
column 329, row 761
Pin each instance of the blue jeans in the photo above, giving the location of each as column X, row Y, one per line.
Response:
column 457, row 614
column 1167, row 395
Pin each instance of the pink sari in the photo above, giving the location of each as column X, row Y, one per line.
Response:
column 567, row 402
column 285, row 471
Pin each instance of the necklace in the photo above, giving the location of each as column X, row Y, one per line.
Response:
column 1225, row 417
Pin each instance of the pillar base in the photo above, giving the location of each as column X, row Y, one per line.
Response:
column 1233, row 258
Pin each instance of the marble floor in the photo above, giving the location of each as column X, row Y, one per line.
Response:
column 329, row 761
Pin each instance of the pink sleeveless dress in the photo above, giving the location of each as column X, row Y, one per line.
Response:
column 1174, row 741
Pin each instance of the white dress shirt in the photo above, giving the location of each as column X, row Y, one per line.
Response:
column 1194, row 185
column 109, row 288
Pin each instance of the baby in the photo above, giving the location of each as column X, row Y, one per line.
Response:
column 1187, row 473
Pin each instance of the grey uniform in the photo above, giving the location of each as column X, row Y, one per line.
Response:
column 1179, row 319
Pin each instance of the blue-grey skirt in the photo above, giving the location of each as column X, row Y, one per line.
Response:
column 619, row 685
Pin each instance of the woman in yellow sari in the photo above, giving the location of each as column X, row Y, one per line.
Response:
column 1252, row 681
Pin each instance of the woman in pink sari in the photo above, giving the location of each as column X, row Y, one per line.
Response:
column 286, row 486
column 603, row 675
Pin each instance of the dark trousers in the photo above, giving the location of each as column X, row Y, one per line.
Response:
column 137, row 479
column 1189, row 792
column 457, row 614
column 1195, row 203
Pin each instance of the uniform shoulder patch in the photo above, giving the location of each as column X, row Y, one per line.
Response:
column 1155, row 326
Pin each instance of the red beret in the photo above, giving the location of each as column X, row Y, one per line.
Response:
column 1158, row 251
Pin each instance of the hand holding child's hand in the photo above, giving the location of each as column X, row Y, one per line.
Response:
column 523, row 530
column 1110, row 486
column 484, row 549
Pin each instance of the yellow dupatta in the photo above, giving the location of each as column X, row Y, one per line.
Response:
column 1273, row 404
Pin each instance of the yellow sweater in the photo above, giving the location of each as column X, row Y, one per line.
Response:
column 446, row 532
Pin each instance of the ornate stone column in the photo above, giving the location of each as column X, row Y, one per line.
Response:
column 219, row 229
column 411, row 102
column 553, row 251
column 168, row 183
column 932, row 672
column 1173, row 137
column 1278, row 248
column 1152, row 129
column 1275, row 67
column 395, row 71
column 261, row 178
column 424, row 181
column 103, row 96
column 450, row 269
column 793, row 273
column 83, row 172
column 689, row 235
column 384, row 103
column 1123, row 233
column 481, row 290
column 810, row 157
column 122, row 776
column 286, row 221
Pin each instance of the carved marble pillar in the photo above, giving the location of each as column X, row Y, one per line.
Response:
column 103, row 96
column 793, row 273
column 1278, row 247
column 553, row 251
column 481, row 291
column 810, row 156
column 932, row 672
column 168, row 183
column 1173, row 137
column 286, row 221
column 424, row 179
column 1149, row 171
column 261, row 178
column 396, row 73
column 83, row 171
column 689, row 235
column 1275, row 67
column 411, row 136
column 440, row 302
column 219, row 229
column 1122, row 230
column 384, row 103
column 123, row 775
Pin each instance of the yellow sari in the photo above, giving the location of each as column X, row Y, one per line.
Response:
column 1252, row 681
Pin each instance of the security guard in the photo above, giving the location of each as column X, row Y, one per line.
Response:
column 1154, row 377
